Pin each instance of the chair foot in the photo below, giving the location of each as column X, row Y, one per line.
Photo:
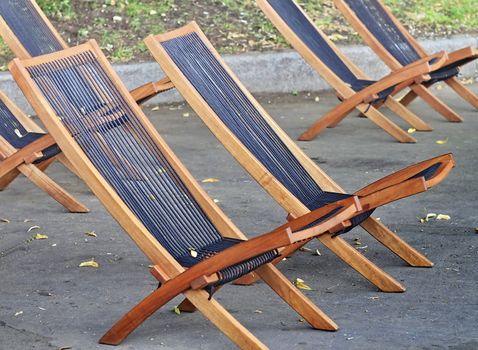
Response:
column 463, row 91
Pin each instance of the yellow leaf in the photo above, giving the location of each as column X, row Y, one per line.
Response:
column 442, row 142
column 193, row 253
column 439, row 87
column 176, row 310
column 467, row 81
column 39, row 236
column 443, row 217
column 216, row 200
column 152, row 197
column 412, row 130
column 185, row 115
column 299, row 283
column 430, row 216
column 91, row 234
column 90, row 263
column 34, row 228
column 210, row 180
column 155, row 108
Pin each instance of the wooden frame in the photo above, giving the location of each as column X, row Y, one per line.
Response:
column 288, row 201
column 173, row 277
column 14, row 162
column 351, row 99
column 419, row 88
column 141, row 95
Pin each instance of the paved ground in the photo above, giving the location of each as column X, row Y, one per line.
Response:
column 47, row 301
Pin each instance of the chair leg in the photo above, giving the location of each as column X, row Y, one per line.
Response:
column 333, row 117
column 397, row 245
column 386, row 124
column 210, row 308
column 463, row 91
column 361, row 264
column 298, row 301
column 40, row 179
column 408, row 98
column 436, row 103
column 407, row 115
column 8, row 178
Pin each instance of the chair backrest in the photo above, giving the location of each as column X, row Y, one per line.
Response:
column 26, row 29
column 237, row 119
column 385, row 29
column 122, row 153
column 300, row 30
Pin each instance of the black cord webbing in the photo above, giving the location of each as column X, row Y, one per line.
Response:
column 30, row 29
column 120, row 147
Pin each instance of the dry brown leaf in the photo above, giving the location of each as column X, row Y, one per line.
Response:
column 91, row 234
column 90, row 263
column 299, row 283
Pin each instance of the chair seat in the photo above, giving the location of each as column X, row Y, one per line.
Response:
column 25, row 140
column 232, row 272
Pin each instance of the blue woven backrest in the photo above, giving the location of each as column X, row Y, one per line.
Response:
column 372, row 14
column 291, row 14
column 115, row 140
column 238, row 113
column 30, row 29
column 10, row 128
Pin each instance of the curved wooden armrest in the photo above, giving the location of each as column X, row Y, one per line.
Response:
column 147, row 91
column 27, row 154
column 281, row 237
column 440, row 58
column 404, row 74
column 447, row 163
column 461, row 54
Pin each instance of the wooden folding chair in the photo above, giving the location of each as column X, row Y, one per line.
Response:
column 274, row 160
column 353, row 87
column 194, row 247
column 26, row 149
column 389, row 39
column 29, row 33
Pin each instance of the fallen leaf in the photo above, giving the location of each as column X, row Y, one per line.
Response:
column 299, row 283
column 91, row 234
column 258, row 312
column 210, row 180
column 152, row 197
column 216, row 200
column 428, row 217
column 185, row 115
column 305, row 249
column 443, row 217
column 362, row 248
column 39, row 236
column 439, row 87
column 176, row 310
column 358, row 243
column 65, row 348
column 442, row 142
column 317, row 99
column 18, row 313
column 412, row 130
column 374, row 298
column 18, row 133
column 34, row 228
column 90, row 263
column 467, row 81
column 5, row 221
column 193, row 252
column 317, row 253
column 155, row 109
column 27, row 220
